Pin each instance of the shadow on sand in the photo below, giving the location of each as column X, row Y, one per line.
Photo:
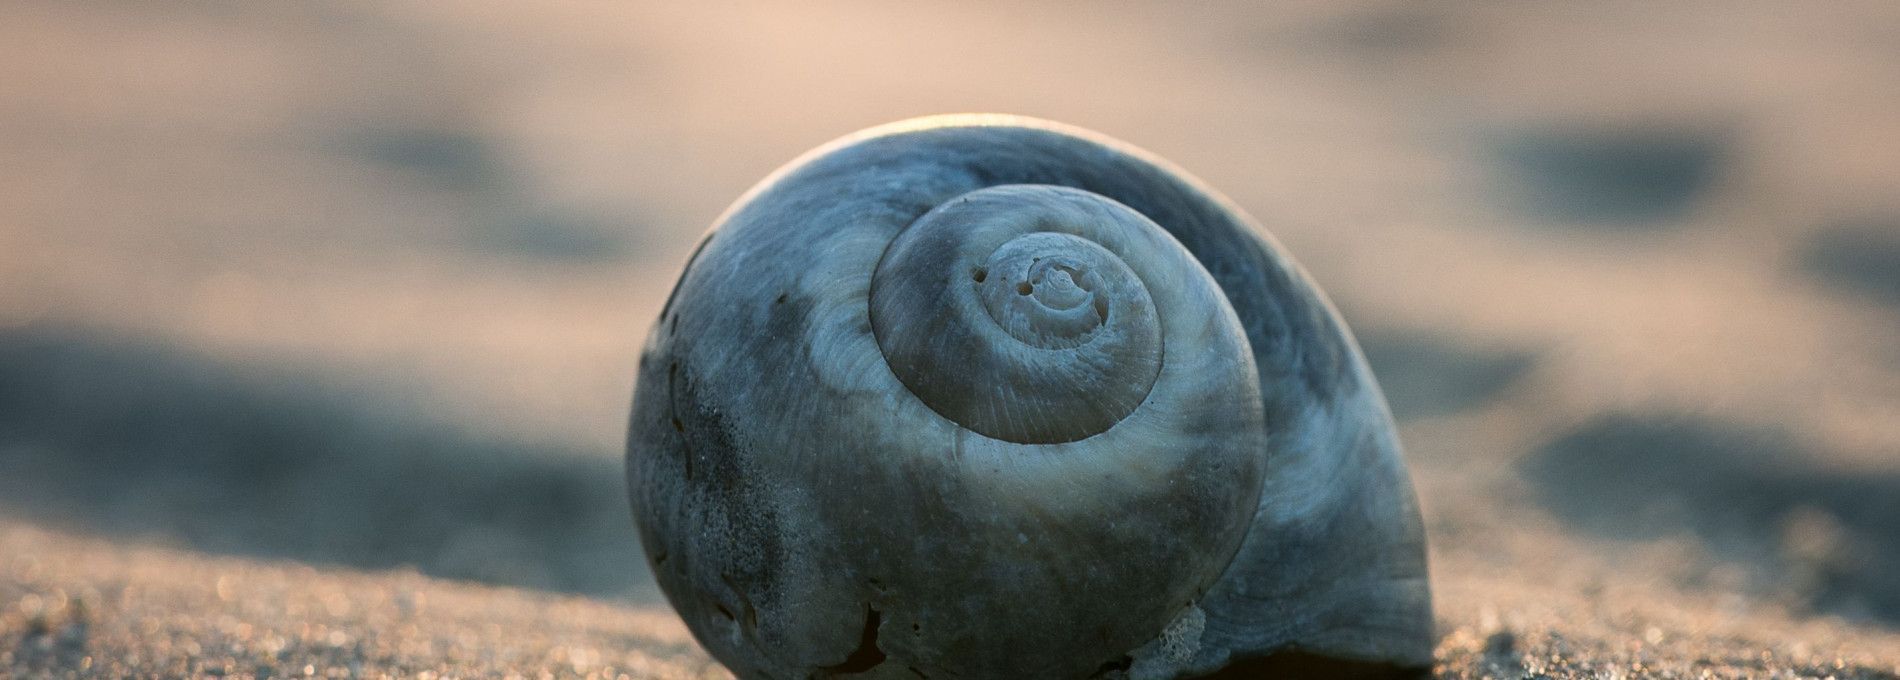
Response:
column 127, row 438
column 503, row 218
column 1632, row 177
column 1861, row 257
column 1425, row 376
column 1830, row 538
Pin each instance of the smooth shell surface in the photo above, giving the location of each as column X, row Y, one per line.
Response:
column 989, row 397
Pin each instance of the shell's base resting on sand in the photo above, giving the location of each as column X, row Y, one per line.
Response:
column 1298, row 664
column 991, row 397
column 84, row 607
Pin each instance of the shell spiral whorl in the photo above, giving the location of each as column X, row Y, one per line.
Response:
column 990, row 397
column 1008, row 310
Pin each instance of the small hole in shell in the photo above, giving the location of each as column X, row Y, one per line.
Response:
column 979, row 274
column 1024, row 288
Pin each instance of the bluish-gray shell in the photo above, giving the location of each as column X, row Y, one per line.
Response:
column 986, row 397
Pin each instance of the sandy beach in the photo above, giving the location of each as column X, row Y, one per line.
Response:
column 318, row 322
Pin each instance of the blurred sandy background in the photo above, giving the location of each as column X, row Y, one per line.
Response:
column 313, row 313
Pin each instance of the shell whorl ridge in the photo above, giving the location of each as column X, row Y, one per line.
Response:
column 1010, row 311
column 990, row 397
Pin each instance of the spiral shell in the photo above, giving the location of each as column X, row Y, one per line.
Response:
column 985, row 397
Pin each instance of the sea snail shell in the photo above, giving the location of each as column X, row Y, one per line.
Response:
column 990, row 397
